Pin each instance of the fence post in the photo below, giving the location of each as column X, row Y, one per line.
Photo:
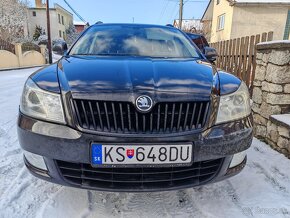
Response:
column 43, row 52
column 18, row 53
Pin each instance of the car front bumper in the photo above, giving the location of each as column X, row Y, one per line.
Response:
column 65, row 149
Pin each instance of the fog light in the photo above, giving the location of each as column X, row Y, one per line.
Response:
column 35, row 160
column 238, row 159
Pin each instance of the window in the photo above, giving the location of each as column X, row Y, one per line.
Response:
column 217, row 2
column 34, row 13
column 59, row 33
column 63, row 35
column 221, row 22
column 287, row 27
column 59, row 18
column 62, row 20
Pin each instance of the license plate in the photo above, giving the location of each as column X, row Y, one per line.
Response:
column 180, row 154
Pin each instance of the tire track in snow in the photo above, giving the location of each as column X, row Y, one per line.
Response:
column 186, row 201
column 270, row 179
column 231, row 192
column 279, row 174
column 15, row 189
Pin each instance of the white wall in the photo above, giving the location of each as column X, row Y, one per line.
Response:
column 40, row 20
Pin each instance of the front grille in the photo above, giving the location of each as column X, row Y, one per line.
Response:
column 139, row 178
column 122, row 117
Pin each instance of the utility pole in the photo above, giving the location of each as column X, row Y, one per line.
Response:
column 48, row 33
column 180, row 13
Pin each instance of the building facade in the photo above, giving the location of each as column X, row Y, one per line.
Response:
column 80, row 26
column 228, row 19
column 60, row 20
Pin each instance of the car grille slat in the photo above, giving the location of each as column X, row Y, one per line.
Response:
column 144, row 123
column 107, row 117
column 206, row 111
column 85, row 114
column 92, row 115
column 123, row 117
column 139, row 178
column 172, row 117
column 114, row 116
column 192, row 116
column 158, row 118
column 165, row 118
column 129, row 116
column 99, row 115
column 198, row 116
column 186, row 116
column 179, row 116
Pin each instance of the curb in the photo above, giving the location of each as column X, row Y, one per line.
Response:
column 21, row 68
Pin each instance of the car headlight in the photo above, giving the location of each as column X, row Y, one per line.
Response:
column 38, row 103
column 234, row 106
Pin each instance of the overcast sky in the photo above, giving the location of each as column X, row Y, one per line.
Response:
column 142, row 11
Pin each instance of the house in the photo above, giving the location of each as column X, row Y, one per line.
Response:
column 229, row 19
column 60, row 19
column 80, row 26
column 189, row 25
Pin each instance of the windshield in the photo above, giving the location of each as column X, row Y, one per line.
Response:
column 118, row 40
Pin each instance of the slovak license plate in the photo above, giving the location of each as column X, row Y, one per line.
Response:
column 175, row 154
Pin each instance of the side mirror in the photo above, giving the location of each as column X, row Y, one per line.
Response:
column 210, row 53
column 60, row 48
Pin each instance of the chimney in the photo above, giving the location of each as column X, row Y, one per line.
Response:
column 39, row 4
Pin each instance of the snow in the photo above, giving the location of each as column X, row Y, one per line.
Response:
column 262, row 189
column 79, row 23
column 55, row 57
column 274, row 42
column 283, row 118
column 262, row 1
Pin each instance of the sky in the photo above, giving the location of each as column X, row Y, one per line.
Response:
column 138, row 11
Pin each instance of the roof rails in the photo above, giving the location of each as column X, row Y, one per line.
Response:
column 170, row 25
column 99, row 22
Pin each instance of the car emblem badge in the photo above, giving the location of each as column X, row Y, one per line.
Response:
column 144, row 103
column 130, row 153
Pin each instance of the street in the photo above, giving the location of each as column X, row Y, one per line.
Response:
column 262, row 189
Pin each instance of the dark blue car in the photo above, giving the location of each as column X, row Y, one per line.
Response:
column 134, row 108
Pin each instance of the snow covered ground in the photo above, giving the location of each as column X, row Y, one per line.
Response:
column 261, row 190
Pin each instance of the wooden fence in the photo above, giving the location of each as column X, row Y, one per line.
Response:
column 238, row 56
column 4, row 45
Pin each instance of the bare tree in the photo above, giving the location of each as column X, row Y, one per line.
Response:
column 206, row 29
column 13, row 19
column 71, row 34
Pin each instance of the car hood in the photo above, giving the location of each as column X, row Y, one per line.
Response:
column 95, row 77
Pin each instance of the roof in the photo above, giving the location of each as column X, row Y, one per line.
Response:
column 79, row 23
column 56, row 6
column 233, row 2
column 62, row 8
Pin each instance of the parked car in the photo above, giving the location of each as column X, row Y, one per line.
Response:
column 133, row 108
column 203, row 45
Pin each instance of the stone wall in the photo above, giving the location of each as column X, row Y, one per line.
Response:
column 271, row 94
